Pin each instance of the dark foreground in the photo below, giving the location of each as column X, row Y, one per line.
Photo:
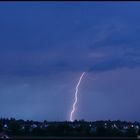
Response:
column 69, row 138
column 20, row 129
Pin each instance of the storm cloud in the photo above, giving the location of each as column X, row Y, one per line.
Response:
column 44, row 46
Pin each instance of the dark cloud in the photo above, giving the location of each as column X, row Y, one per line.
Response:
column 44, row 47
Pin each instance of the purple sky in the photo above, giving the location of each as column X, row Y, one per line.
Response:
column 44, row 48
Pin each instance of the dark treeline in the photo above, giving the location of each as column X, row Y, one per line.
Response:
column 13, row 127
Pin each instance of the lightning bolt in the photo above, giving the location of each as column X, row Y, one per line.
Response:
column 76, row 97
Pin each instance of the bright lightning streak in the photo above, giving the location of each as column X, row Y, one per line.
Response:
column 76, row 97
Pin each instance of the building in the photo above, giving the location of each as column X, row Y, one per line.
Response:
column 3, row 136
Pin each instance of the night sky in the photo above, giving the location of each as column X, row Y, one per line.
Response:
column 45, row 47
